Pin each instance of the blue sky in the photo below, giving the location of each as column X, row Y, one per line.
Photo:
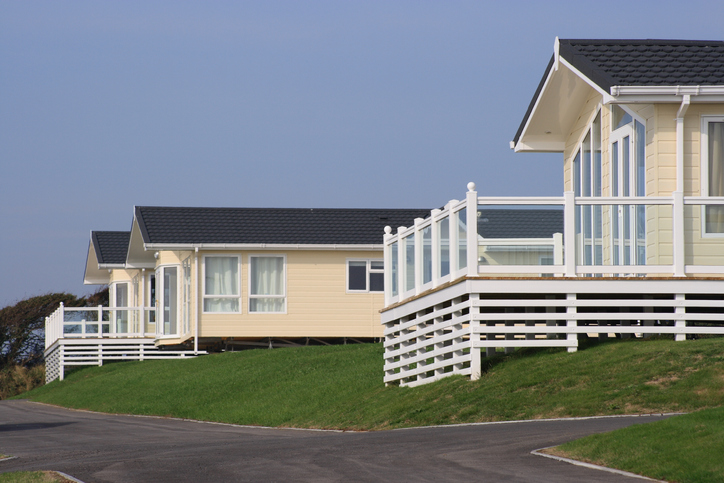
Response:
column 107, row 105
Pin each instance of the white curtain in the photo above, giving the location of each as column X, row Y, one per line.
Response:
column 222, row 276
column 267, row 278
column 715, row 214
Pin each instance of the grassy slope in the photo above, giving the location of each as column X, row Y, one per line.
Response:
column 685, row 449
column 341, row 387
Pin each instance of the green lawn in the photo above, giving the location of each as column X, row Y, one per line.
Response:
column 685, row 449
column 32, row 477
column 341, row 386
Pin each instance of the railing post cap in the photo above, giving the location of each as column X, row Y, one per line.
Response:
column 471, row 186
column 388, row 230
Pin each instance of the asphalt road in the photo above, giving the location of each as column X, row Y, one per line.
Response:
column 97, row 447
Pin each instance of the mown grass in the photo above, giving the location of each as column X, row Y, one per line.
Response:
column 341, row 386
column 685, row 449
column 32, row 477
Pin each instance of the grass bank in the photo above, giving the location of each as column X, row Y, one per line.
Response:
column 685, row 449
column 341, row 386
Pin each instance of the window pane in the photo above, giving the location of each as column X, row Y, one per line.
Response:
column 620, row 117
column 266, row 305
column 427, row 254
column 462, row 238
column 640, row 159
column 444, row 227
column 357, row 273
column 267, row 276
column 409, row 263
column 377, row 282
column 221, row 305
column 377, row 265
column 222, row 276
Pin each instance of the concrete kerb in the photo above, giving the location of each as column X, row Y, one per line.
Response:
column 537, row 452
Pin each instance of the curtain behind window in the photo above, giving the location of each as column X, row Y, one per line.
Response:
column 715, row 214
column 267, row 278
column 222, row 276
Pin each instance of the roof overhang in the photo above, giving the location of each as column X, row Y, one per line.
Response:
column 555, row 108
column 95, row 274
column 651, row 94
column 139, row 255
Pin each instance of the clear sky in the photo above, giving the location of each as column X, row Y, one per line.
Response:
column 364, row 104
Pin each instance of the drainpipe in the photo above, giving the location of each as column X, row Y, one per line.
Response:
column 196, row 300
column 678, row 208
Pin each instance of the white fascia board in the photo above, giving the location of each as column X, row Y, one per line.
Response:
column 693, row 91
column 606, row 95
column 260, row 246
column 112, row 265
column 129, row 266
column 539, row 147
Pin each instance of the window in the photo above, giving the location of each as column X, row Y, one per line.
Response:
column 167, row 279
column 628, row 178
column 221, row 284
column 365, row 276
column 267, row 284
column 186, row 316
column 712, row 170
column 121, row 300
column 587, row 182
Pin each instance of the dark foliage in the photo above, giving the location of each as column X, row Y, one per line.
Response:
column 22, row 326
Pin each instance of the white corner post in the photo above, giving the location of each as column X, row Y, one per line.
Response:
column 435, row 235
column 569, row 233
column 471, row 222
column 401, row 265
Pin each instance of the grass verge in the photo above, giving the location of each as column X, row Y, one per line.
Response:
column 685, row 449
column 341, row 386
column 33, row 477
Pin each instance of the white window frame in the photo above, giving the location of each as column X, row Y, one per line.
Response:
column 617, row 136
column 205, row 296
column 284, row 284
column 704, row 169
column 369, row 270
column 160, row 301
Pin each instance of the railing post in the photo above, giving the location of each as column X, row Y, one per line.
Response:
column 417, row 236
column 558, row 249
column 100, row 321
column 569, row 233
column 387, row 257
column 571, row 308
column 435, row 248
column 401, row 263
column 454, row 248
column 679, row 237
column 471, row 198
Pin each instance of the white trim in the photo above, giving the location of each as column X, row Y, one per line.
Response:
column 678, row 91
column 284, row 285
column 205, row 296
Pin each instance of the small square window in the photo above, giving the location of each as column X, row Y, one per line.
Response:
column 365, row 276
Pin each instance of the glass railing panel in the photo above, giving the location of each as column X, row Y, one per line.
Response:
column 704, row 236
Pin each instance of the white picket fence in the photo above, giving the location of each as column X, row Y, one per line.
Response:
column 443, row 332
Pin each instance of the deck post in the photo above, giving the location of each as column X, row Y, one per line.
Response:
column 417, row 236
column 569, row 233
column 680, row 310
column 471, row 222
column 571, row 308
column 475, row 367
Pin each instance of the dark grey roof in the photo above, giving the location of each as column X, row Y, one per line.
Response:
column 647, row 62
column 325, row 226
column 524, row 223
column 639, row 63
column 111, row 247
